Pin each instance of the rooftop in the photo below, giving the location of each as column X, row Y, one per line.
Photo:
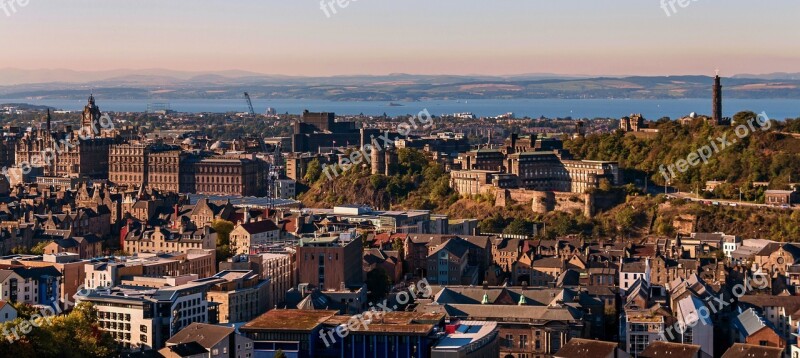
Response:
column 741, row 350
column 467, row 333
column 207, row 335
column 578, row 347
column 289, row 320
column 660, row 349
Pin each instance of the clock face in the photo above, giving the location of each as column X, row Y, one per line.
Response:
column 780, row 260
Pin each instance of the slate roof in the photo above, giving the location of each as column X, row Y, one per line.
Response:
column 790, row 303
column 549, row 262
column 37, row 272
column 259, row 227
column 455, row 246
column 634, row 267
column 502, row 312
column 207, row 335
column 500, row 295
column 749, row 322
column 741, row 350
column 578, row 347
column 659, row 349
column 188, row 349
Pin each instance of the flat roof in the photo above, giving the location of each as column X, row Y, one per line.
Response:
column 467, row 333
column 289, row 320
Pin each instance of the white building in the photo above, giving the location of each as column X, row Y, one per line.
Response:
column 217, row 341
column 696, row 326
column 146, row 318
column 7, row 312
column 632, row 271
column 730, row 243
column 108, row 274
column 39, row 286
column 285, row 189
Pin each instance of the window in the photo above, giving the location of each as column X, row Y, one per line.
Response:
column 509, row 341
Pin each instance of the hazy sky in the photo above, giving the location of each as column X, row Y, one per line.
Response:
column 295, row 37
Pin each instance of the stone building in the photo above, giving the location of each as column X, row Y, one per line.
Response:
column 249, row 235
column 554, row 171
column 320, row 130
column 634, row 123
column 155, row 165
column 482, row 159
column 329, row 263
column 239, row 175
column 168, row 168
column 81, row 153
column 162, row 239
column 242, row 296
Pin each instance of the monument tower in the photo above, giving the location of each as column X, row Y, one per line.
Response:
column 717, row 106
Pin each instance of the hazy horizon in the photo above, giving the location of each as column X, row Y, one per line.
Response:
column 370, row 37
column 245, row 71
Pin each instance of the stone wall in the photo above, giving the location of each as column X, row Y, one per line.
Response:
column 547, row 201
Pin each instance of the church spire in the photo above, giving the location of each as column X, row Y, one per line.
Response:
column 91, row 116
column 48, row 121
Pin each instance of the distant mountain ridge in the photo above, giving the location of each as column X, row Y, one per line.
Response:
column 169, row 84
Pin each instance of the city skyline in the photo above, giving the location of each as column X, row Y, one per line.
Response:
column 374, row 38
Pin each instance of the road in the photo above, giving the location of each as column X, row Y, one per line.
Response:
column 689, row 196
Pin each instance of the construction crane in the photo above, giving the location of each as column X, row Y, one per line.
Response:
column 249, row 104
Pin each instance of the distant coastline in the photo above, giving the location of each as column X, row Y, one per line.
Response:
column 533, row 108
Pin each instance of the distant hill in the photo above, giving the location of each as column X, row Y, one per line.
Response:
column 168, row 84
column 772, row 76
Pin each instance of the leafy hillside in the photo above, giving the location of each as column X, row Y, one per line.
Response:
column 768, row 155
column 422, row 184
column 418, row 183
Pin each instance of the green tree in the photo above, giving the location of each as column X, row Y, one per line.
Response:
column 223, row 229
column 313, row 171
column 664, row 227
column 74, row 335
column 279, row 354
column 560, row 224
column 605, row 185
column 38, row 249
column 518, row 227
column 378, row 284
column 397, row 245
column 20, row 250
column 493, row 224
column 122, row 253
column 626, row 218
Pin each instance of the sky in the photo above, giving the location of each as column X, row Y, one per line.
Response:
column 492, row 37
